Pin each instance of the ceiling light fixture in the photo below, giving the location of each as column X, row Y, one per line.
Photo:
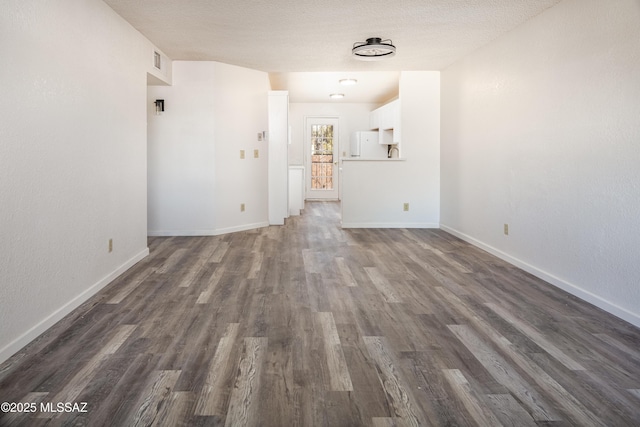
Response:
column 336, row 95
column 373, row 49
column 348, row 82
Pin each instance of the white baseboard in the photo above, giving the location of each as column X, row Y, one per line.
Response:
column 16, row 345
column 208, row 232
column 174, row 233
column 389, row 225
column 598, row 301
column 244, row 227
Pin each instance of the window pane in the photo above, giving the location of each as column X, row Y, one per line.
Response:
column 322, row 157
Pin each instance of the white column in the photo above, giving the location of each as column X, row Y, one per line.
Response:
column 278, row 141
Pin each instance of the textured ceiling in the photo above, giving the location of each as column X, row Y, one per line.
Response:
column 281, row 36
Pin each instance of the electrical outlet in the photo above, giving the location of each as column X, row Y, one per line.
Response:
column 242, row 154
column 506, row 229
column 256, row 154
column 110, row 245
column 405, row 207
column 241, row 207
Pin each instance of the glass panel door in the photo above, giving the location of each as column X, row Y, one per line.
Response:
column 322, row 158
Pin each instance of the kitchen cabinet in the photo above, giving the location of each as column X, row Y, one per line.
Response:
column 386, row 137
column 385, row 117
column 386, row 113
column 386, row 120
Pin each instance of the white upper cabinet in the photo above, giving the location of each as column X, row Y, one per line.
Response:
column 386, row 119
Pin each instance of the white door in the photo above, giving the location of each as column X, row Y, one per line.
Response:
column 321, row 152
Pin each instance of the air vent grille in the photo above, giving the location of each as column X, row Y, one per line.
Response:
column 157, row 60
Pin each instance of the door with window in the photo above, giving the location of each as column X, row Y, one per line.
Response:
column 321, row 152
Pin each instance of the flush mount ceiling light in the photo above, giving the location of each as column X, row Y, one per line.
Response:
column 348, row 82
column 373, row 49
column 336, row 95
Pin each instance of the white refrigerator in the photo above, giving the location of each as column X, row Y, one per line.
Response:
column 365, row 145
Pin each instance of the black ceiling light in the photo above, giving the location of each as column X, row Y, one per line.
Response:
column 373, row 49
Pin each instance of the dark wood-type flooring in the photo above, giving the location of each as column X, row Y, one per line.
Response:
column 308, row 324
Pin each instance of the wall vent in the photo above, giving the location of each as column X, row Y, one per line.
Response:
column 157, row 60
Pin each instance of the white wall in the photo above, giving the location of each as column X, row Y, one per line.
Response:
column 240, row 113
column 72, row 158
column 197, row 180
column 541, row 130
column 181, row 155
column 374, row 192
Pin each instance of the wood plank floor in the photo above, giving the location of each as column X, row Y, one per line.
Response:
column 310, row 325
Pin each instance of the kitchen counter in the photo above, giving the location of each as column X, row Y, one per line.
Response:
column 368, row 159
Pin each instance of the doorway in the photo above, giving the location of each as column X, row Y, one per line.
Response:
column 322, row 146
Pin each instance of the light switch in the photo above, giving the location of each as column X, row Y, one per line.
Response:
column 242, row 154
